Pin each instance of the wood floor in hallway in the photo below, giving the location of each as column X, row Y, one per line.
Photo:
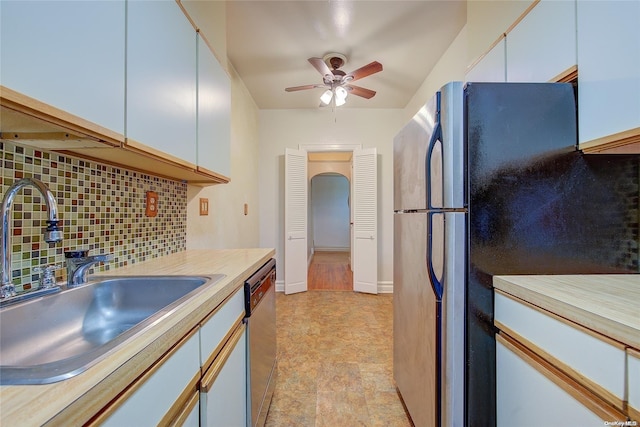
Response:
column 330, row 270
column 335, row 362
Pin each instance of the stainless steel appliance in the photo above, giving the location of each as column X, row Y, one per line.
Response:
column 488, row 180
column 260, row 306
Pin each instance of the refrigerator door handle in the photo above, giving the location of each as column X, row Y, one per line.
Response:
column 436, row 137
column 436, row 282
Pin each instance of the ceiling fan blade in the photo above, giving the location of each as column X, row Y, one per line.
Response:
column 305, row 87
column 367, row 70
column 321, row 66
column 360, row 91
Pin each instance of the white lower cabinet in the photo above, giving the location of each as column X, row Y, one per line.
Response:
column 163, row 392
column 223, row 390
column 551, row 371
column 532, row 393
column 201, row 381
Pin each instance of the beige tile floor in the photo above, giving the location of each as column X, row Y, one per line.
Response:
column 335, row 361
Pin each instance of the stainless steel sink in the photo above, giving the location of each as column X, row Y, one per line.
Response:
column 56, row 337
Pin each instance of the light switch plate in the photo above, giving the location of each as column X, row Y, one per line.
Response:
column 204, row 206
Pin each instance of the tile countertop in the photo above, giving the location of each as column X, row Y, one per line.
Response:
column 74, row 401
column 608, row 304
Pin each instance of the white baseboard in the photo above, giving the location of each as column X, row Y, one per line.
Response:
column 383, row 287
column 321, row 249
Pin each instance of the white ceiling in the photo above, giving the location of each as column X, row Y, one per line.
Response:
column 268, row 43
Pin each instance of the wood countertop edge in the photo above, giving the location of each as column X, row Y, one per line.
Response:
column 606, row 326
column 76, row 400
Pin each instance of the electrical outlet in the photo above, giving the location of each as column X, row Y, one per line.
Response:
column 204, row 207
column 152, row 204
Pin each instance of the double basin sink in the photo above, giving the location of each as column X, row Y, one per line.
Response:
column 58, row 336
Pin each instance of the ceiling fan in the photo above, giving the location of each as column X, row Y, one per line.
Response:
column 336, row 82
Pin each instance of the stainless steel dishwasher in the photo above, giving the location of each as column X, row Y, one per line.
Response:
column 260, row 306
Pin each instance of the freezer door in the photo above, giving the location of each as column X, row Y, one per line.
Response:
column 409, row 153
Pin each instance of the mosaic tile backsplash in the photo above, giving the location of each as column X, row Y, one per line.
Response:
column 102, row 209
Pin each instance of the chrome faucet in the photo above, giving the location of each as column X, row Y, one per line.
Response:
column 78, row 265
column 52, row 234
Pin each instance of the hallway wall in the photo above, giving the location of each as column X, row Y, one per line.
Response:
column 330, row 211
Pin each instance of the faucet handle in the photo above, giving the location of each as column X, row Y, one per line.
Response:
column 48, row 276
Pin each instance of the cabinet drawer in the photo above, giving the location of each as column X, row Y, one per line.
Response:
column 161, row 393
column 218, row 327
column 532, row 393
column 633, row 382
column 590, row 359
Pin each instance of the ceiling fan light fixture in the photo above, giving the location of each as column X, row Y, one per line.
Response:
column 340, row 101
column 326, row 97
column 341, row 93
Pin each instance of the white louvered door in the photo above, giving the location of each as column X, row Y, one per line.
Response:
column 295, row 218
column 365, row 221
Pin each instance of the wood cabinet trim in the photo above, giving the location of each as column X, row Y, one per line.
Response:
column 122, row 397
column 623, row 142
column 564, row 320
column 522, row 16
column 45, row 113
column 486, row 52
column 592, row 386
column 573, row 388
column 185, row 411
column 569, row 75
column 216, row 367
column 219, row 177
column 133, row 145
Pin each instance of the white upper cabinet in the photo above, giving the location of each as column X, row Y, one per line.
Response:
column 161, row 80
column 214, row 112
column 67, row 54
column 491, row 67
column 542, row 46
column 608, row 71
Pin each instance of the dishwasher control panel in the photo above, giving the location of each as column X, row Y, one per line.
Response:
column 256, row 286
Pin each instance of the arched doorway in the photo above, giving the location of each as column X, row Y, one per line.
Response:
column 330, row 232
column 364, row 240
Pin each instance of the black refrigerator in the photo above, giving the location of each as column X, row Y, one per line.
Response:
column 488, row 181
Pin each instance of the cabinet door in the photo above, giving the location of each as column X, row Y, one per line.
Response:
column 530, row 393
column 609, row 68
column 223, row 397
column 161, row 79
column 214, row 112
column 491, row 66
column 159, row 393
column 543, row 45
column 217, row 328
column 68, row 54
